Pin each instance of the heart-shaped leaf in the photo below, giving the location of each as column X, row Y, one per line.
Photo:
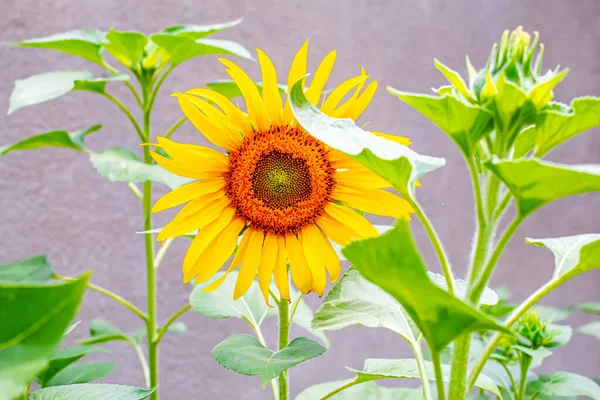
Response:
column 200, row 31
column 182, row 48
column 126, row 47
column 34, row 269
column 92, row 391
column 62, row 358
column 398, row 164
column 393, row 262
column 34, row 319
column 82, row 373
column 69, row 140
column 245, row 355
column 564, row 384
column 534, row 182
column 83, row 43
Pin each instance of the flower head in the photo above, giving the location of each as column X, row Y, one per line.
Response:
column 284, row 191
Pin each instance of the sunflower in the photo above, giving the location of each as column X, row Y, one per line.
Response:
column 282, row 190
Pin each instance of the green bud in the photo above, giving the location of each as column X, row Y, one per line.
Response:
column 535, row 330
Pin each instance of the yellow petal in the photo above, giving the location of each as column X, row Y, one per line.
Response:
column 267, row 265
column 191, row 153
column 202, row 123
column 351, row 218
column 270, row 90
column 301, row 274
column 315, row 89
column 343, row 108
column 240, row 253
column 374, row 201
column 216, row 254
column 196, row 214
column 398, row 139
column 195, row 171
column 297, row 72
column 361, row 103
column 336, row 231
column 205, row 236
column 280, row 274
column 325, row 249
column 187, row 192
column 254, row 103
column 249, row 264
column 236, row 116
column 337, row 94
column 360, row 179
column 314, row 259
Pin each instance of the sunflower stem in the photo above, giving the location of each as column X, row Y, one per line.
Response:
column 284, row 333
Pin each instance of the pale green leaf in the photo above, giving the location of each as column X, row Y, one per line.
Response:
column 126, row 47
column 363, row 391
column 34, row 269
column 63, row 358
column 393, row 262
column 118, row 164
column 591, row 307
column 83, row 43
column 525, row 142
column 230, row 89
column 356, row 301
column 82, row 373
column 69, row 140
column 488, row 297
column 541, row 93
column 561, row 335
column 573, row 255
column 554, row 127
column 551, row 314
column 177, row 327
column 455, row 79
column 534, row 182
column 71, row 327
column 102, row 331
column 396, row 163
column 513, row 109
column 408, row 368
column 564, row 384
column 34, row 319
column 200, row 31
column 92, row 391
column 181, row 48
column 537, row 355
column 465, row 123
column 592, row 329
column 245, row 355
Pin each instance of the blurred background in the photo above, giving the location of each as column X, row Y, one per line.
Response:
column 54, row 202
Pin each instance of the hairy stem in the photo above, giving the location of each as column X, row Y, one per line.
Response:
column 524, row 361
column 439, row 378
column 512, row 380
column 284, row 333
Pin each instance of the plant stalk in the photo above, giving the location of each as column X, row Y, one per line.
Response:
column 284, row 333
column 439, row 377
column 422, row 370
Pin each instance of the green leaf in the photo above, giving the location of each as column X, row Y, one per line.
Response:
column 34, row 319
column 541, row 93
column 408, row 368
column 94, row 391
column 182, row 48
column 396, row 163
column 573, row 255
column 71, row 327
column 513, row 109
column 102, row 331
column 367, row 390
column 455, row 79
column 592, row 329
column 555, row 127
column 534, row 182
column 564, row 384
column 83, row 43
column 245, row 355
column 525, row 142
column 354, row 300
column 392, row 262
column 61, row 138
column 230, row 89
column 488, row 297
column 126, row 47
column 63, row 358
column 591, row 307
column 303, row 318
column 200, row 31
column 465, row 123
column 82, row 373
column 537, row 355
column 551, row 314
column 118, row 164
column 51, row 85
column 34, row 269
column 561, row 335
column 177, row 327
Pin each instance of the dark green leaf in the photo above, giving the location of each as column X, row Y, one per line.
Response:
column 98, row 85
column 245, row 355
column 534, row 182
column 63, row 358
column 230, row 89
column 592, row 329
column 84, row 43
column 408, row 368
column 465, row 123
column 34, row 318
column 82, row 373
column 362, row 391
column 573, row 255
column 69, row 140
column 591, row 307
column 392, row 262
column 564, row 384
column 396, row 163
column 92, row 392
column 555, row 127
column 125, row 47
column 118, row 164
column 34, row 269
column 181, row 48
column 200, row 31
